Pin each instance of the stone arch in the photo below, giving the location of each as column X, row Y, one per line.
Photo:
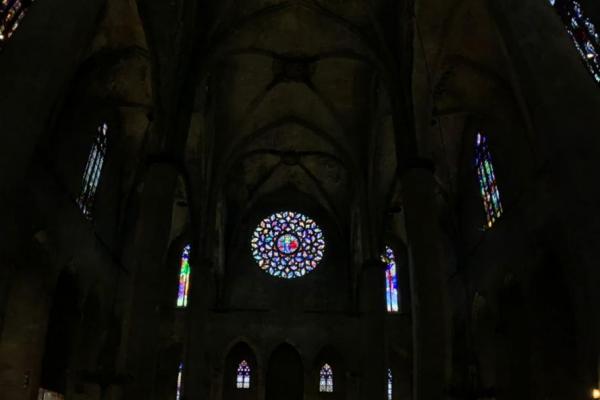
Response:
column 285, row 374
column 329, row 355
column 237, row 354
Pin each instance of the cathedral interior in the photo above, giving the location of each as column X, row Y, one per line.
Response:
column 299, row 199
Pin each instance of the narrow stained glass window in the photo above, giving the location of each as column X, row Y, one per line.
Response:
column 582, row 31
column 488, row 186
column 326, row 379
column 184, row 277
column 179, row 382
column 93, row 171
column 243, row 376
column 391, row 280
column 390, row 384
column 11, row 14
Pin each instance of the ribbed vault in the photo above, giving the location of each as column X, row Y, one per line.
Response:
column 293, row 102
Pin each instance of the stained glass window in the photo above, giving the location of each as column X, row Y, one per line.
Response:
column 11, row 14
column 582, row 31
column 390, row 384
column 179, row 382
column 93, row 170
column 243, row 376
column 488, row 186
column 391, row 280
column 184, row 277
column 288, row 245
column 326, row 379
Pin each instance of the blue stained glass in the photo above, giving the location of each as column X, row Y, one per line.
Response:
column 288, row 245
column 326, row 379
column 243, row 376
column 582, row 32
column 93, row 171
column 391, row 280
column 488, row 186
column 179, row 382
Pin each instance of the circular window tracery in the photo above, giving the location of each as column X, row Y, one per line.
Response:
column 288, row 245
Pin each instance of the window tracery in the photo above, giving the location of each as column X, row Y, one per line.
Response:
column 486, row 176
column 326, row 379
column 243, row 376
column 288, row 245
column 93, row 171
column 583, row 33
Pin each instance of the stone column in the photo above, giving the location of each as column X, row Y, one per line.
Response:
column 428, row 282
column 198, row 375
column 372, row 307
column 145, row 258
column 22, row 337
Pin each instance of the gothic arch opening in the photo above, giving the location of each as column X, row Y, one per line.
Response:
column 240, row 379
column 329, row 356
column 285, row 374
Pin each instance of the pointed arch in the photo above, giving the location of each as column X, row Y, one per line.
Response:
column 240, row 379
column 329, row 374
column 244, row 373
column 326, row 379
column 285, row 374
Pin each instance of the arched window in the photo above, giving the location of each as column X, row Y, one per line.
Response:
column 326, row 379
column 243, row 376
column 11, row 14
column 488, row 186
column 582, row 32
column 179, row 382
column 93, row 170
column 184, row 277
column 390, row 384
column 391, row 280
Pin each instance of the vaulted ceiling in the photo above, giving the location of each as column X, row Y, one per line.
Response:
column 294, row 97
column 292, row 102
